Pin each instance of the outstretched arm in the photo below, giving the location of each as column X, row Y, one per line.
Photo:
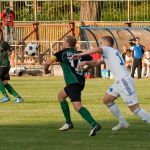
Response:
column 48, row 63
column 92, row 51
column 91, row 63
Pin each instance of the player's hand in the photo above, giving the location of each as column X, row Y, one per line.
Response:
column 46, row 69
column 82, row 65
column 75, row 56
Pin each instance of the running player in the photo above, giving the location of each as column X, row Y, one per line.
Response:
column 75, row 82
column 123, row 85
column 4, row 72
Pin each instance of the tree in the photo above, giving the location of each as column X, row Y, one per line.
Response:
column 91, row 10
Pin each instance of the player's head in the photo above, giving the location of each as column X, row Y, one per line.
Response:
column 107, row 41
column 137, row 40
column 69, row 42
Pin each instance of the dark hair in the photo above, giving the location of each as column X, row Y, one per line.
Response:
column 132, row 41
column 109, row 39
column 8, row 10
column 71, row 40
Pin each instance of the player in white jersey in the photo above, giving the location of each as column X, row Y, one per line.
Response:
column 123, row 85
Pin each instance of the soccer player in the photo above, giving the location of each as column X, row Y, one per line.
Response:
column 123, row 85
column 4, row 72
column 75, row 82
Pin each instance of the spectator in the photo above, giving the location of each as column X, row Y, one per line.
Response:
column 8, row 17
column 124, row 49
column 146, row 64
column 137, row 54
column 128, row 59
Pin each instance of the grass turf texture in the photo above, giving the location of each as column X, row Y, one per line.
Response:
column 33, row 125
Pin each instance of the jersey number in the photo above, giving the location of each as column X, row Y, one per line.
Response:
column 72, row 62
column 121, row 61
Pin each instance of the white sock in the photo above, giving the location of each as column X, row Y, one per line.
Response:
column 115, row 111
column 145, row 116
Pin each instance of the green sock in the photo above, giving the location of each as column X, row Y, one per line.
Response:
column 2, row 89
column 87, row 116
column 66, row 111
column 11, row 90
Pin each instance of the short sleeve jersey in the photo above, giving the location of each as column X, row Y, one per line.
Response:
column 138, row 51
column 4, row 57
column 69, row 66
column 114, row 62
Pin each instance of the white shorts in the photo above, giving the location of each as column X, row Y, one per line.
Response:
column 124, row 88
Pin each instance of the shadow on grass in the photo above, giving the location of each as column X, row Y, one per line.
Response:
column 47, row 137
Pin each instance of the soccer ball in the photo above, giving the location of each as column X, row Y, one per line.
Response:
column 31, row 49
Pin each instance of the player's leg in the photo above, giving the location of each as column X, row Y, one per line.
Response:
column 86, row 115
column 12, row 91
column 2, row 88
column 137, row 110
column 4, row 93
column 129, row 95
column 108, row 100
column 65, row 109
column 74, row 93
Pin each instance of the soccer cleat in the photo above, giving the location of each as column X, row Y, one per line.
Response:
column 5, row 99
column 96, row 128
column 18, row 100
column 120, row 126
column 66, row 127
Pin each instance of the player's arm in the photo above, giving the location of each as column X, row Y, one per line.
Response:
column 12, row 59
column 89, row 52
column 47, row 64
column 92, row 63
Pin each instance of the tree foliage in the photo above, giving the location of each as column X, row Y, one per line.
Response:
column 82, row 10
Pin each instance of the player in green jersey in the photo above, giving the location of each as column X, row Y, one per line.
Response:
column 4, row 72
column 75, row 82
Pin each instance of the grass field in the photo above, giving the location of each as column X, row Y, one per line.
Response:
column 33, row 125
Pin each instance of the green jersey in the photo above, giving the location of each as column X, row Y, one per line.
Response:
column 4, row 57
column 69, row 67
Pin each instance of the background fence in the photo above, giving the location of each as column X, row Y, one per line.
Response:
column 64, row 10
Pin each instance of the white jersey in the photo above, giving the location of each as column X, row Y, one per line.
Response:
column 114, row 62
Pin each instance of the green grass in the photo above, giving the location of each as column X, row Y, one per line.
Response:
column 33, row 125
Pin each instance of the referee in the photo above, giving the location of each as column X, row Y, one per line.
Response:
column 137, row 54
